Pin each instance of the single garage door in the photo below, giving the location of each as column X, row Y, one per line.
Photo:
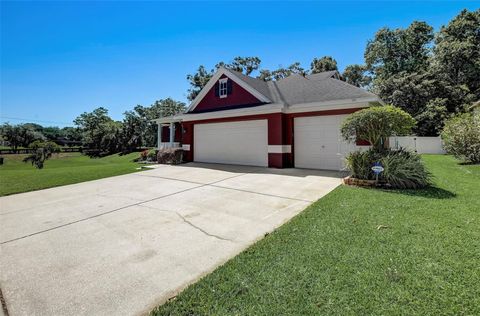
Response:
column 318, row 143
column 240, row 143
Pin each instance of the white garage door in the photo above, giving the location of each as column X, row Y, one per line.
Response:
column 241, row 143
column 318, row 143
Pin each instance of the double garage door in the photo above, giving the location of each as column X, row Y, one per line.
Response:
column 240, row 143
column 317, row 142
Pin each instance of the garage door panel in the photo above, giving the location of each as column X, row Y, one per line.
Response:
column 318, row 143
column 243, row 143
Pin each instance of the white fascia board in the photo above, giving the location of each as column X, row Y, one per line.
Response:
column 255, row 110
column 330, row 105
column 168, row 119
column 205, row 89
column 232, row 76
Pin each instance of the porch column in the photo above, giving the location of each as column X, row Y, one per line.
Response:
column 159, row 135
column 172, row 133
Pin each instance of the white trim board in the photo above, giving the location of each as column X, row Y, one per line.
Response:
column 279, row 149
column 255, row 110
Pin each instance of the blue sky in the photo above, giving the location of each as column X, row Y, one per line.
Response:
column 59, row 59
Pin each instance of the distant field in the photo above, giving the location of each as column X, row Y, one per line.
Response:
column 65, row 168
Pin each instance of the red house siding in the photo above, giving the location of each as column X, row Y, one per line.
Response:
column 238, row 97
column 280, row 132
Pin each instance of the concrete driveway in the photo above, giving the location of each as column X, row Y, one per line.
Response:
column 125, row 244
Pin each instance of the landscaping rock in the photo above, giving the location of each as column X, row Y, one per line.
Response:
column 359, row 182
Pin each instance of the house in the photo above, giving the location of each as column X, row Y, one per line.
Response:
column 292, row 122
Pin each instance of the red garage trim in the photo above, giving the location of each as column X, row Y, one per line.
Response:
column 280, row 132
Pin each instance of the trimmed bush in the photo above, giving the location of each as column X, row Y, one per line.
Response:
column 461, row 137
column 404, row 170
column 171, row 156
column 376, row 124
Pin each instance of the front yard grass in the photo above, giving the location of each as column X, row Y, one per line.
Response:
column 65, row 168
column 359, row 251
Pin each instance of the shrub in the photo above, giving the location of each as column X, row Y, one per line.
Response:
column 376, row 124
column 404, row 170
column 360, row 164
column 171, row 156
column 152, row 155
column 461, row 137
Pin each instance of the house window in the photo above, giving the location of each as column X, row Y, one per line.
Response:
column 222, row 91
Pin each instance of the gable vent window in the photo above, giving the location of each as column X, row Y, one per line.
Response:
column 223, row 88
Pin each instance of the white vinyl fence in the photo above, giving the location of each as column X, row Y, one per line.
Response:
column 419, row 144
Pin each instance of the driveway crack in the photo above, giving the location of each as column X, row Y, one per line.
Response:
column 186, row 221
column 200, row 229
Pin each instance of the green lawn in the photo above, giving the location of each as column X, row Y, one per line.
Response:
column 333, row 259
column 66, row 168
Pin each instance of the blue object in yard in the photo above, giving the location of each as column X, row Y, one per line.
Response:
column 377, row 168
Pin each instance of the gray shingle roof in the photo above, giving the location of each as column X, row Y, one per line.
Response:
column 323, row 75
column 297, row 89
column 257, row 84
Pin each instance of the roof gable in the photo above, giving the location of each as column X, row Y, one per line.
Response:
column 242, row 94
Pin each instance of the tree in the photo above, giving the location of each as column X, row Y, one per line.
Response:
column 400, row 50
column 376, row 124
column 461, row 137
column 456, row 59
column 281, row 72
column 197, row 81
column 244, row 65
column 132, row 132
column 356, row 75
column 12, row 134
column 326, row 63
column 430, row 121
column 265, row 75
column 42, row 152
column 52, row 132
column 100, row 134
column 20, row 135
column 29, row 133
column 71, row 133
column 165, row 107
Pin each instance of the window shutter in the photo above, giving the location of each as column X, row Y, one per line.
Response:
column 217, row 89
column 229, row 87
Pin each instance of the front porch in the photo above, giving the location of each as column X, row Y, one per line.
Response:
column 169, row 132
